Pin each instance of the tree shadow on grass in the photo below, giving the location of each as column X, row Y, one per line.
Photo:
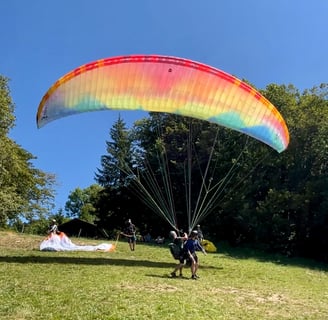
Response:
column 279, row 259
column 83, row 261
column 91, row 261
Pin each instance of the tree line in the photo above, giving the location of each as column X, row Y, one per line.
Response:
column 26, row 193
column 276, row 202
column 169, row 169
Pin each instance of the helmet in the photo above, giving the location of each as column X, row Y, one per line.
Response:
column 194, row 232
column 172, row 234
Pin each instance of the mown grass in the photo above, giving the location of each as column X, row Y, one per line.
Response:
column 234, row 284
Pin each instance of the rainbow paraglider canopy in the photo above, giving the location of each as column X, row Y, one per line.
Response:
column 156, row 83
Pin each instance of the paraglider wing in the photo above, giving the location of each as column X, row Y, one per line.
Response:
column 60, row 242
column 165, row 84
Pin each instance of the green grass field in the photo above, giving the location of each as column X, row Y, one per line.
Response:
column 234, row 284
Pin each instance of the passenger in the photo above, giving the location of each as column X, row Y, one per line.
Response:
column 190, row 247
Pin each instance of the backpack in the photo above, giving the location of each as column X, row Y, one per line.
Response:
column 175, row 250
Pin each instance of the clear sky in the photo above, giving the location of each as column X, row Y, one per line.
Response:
column 280, row 41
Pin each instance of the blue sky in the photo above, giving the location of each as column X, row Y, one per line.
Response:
column 281, row 41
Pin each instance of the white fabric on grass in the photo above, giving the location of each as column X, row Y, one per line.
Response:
column 60, row 242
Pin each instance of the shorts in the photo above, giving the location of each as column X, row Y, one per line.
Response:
column 132, row 239
column 188, row 260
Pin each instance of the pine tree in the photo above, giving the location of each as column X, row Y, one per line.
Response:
column 117, row 163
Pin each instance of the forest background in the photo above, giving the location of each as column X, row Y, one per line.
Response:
column 275, row 202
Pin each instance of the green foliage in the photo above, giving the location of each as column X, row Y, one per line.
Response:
column 241, row 190
column 186, row 164
column 293, row 184
column 118, row 159
column 7, row 118
column 81, row 203
column 25, row 192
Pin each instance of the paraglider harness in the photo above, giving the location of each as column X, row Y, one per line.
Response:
column 175, row 250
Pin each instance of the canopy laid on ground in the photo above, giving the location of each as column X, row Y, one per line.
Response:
column 60, row 242
column 208, row 246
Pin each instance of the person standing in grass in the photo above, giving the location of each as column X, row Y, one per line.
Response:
column 53, row 228
column 200, row 233
column 130, row 234
column 178, row 241
column 190, row 247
